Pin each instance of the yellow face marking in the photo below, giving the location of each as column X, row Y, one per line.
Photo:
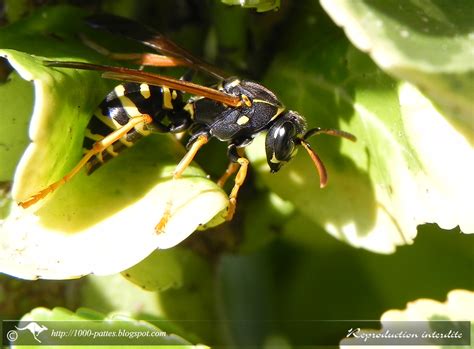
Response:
column 167, row 98
column 274, row 159
column 243, row 120
column 174, row 94
column 145, row 91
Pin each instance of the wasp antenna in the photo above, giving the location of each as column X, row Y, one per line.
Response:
column 331, row 132
column 323, row 175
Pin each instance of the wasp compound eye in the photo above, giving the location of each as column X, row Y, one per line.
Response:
column 280, row 144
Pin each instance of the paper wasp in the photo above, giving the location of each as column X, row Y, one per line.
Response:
column 234, row 111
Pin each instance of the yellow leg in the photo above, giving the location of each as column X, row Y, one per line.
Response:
column 231, row 169
column 188, row 158
column 97, row 148
column 239, row 180
column 183, row 164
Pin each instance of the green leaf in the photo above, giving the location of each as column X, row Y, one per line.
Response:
column 16, row 99
column 55, row 114
column 349, row 275
column 409, row 166
column 247, row 296
column 167, row 269
column 92, row 215
column 305, row 274
column 184, row 281
column 114, row 293
column 428, row 43
column 87, row 218
column 15, row 9
column 259, row 5
column 263, row 219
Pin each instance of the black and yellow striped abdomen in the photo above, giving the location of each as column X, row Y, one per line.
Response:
column 125, row 102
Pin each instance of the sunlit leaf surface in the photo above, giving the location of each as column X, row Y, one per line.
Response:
column 429, row 43
column 409, row 166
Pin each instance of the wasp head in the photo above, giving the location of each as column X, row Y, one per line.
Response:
column 289, row 131
column 282, row 139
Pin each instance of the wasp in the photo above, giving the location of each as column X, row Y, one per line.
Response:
column 233, row 110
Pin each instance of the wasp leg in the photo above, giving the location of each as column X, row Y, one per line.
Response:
column 149, row 59
column 188, row 158
column 236, row 155
column 231, row 169
column 183, row 164
column 239, row 180
column 234, row 151
column 97, row 148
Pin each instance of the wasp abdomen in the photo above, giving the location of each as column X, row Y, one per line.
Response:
column 123, row 103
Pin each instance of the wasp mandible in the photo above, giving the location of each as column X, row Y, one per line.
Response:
column 233, row 110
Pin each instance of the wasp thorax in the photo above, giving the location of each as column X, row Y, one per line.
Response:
column 282, row 138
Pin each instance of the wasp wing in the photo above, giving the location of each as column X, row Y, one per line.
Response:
column 149, row 37
column 132, row 75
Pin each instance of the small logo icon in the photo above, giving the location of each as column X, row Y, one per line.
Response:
column 34, row 328
column 12, row 335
